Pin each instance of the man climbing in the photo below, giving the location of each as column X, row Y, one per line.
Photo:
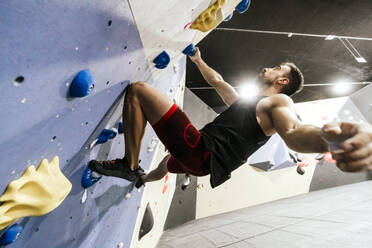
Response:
column 224, row 144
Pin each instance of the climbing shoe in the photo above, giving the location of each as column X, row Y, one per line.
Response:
column 139, row 182
column 116, row 168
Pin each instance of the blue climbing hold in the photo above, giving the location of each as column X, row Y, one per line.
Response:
column 120, row 128
column 82, row 84
column 228, row 18
column 243, row 6
column 88, row 178
column 105, row 135
column 11, row 234
column 189, row 50
column 162, row 60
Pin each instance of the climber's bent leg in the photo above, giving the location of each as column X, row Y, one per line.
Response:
column 142, row 103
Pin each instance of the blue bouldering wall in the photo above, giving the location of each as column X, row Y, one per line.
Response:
column 44, row 45
column 48, row 43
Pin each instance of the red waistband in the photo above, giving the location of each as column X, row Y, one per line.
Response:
column 166, row 116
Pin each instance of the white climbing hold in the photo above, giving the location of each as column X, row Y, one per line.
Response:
column 84, row 197
column 175, row 68
column 95, row 174
column 24, row 100
column 57, row 116
column 120, row 245
column 186, row 181
column 76, row 48
column 130, row 189
column 152, row 145
column 93, row 143
column 150, row 148
column 128, row 195
column 319, row 156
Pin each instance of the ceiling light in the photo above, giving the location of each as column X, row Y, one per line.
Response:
column 361, row 59
column 341, row 88
column 248, row 91
column 330, row 37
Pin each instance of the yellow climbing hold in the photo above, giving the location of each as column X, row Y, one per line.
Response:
column 35, row 193
column 210, row 17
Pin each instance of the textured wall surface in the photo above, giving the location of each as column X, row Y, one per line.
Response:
column 48, row 43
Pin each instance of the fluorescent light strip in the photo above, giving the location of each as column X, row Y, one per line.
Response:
column 358, row 58
column 353, row 47
column 350, row 47
column 333, row 84
column 347, row 47
column 305, row 85
column 294, row 34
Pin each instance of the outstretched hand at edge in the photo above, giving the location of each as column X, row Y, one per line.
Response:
column 351, row 145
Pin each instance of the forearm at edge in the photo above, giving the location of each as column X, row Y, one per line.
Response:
column 210, row 75
column 306, row 139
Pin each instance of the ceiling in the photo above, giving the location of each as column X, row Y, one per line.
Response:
column 239, row 55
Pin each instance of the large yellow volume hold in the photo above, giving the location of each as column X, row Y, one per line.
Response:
column 210, row 17
column 35, row 193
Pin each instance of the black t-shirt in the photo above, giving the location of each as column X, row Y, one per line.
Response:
column 231, row 138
